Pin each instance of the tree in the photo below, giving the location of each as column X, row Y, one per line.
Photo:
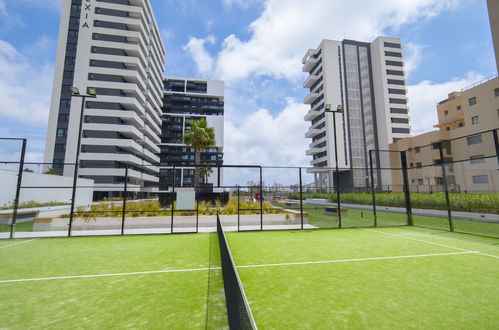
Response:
column 205, row 172
column 51, row 171
column 199, row 136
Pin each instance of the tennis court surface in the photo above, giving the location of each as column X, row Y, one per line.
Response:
column 397, row 277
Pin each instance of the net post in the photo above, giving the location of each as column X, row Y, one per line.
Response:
column 18, row 190
column 446, row 189
column 407, row 194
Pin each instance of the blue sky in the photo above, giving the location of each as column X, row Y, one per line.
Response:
column 256, row 47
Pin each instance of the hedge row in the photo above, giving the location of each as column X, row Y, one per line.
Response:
column 488, row 203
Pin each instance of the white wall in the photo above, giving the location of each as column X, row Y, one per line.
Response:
column 51, row 188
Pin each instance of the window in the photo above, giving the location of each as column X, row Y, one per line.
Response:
column 458, row 107
column 446, row 112
column 60, row 147
column 400, row 120
column 66, row 89
column 475, row 139
column 420, row 182
column 477, row 159
column 478, row 179
column 418, row 165
column 396, row 82
column 394, row 54
column 398, row 101
column 68, row 74
column 63, row 117
column 460, row 124
column 73, row 33
column 439, row 180
column 475, row 120
column 65, row 103
column 398, row 110
column 71, row 46
column 74, row 20
column 395, row 72
column 394, row 63
column 70, row 60
column 435, row 145
column 417, row 150
column 400, row 130
column 75, row 7
column 396, row 91
column 472, row 100
column 61, row 132
column 496, row 92
column 392, row 45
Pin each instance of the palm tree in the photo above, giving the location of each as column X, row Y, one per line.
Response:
column 198, row 137
column 205, row 172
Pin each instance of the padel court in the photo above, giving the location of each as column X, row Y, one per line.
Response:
column 397, row 277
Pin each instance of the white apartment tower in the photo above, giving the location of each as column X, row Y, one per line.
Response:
column 368, row 79
column 115, row 47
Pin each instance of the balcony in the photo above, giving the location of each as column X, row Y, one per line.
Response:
column 310, row 60
column 313, row 132
column 311, row 97
column 311, row 80
column 312, row 114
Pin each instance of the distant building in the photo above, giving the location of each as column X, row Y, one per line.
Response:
column 471, row 158
column 115, row 47
column 493, row 8
column 186, row 100
column 368, row 79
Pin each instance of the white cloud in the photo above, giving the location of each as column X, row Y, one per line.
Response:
column 424, row 96
column 265, row 139
column 287, row 28
column 202, row 58
column 413, row 57
column 26, row 87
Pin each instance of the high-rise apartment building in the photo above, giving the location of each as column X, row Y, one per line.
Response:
column 368, row 79
column 115, row 47
column 186, row 100
column 493, row 9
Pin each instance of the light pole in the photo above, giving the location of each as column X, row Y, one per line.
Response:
column 339, row 109
column 76, row 93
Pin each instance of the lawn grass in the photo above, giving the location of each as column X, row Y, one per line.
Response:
column 438, row 292
column 20, row 226
column 192, row 299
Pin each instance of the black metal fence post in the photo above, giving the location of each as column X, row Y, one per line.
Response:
column 372, row 188
column 197, row 216
column 301, row 198
column 407, row 193
column 18, row 190
column 446, row 189
column 238, row 212
column 261, row 198
column 496, row 143
column 173, row 200
column 125, row 190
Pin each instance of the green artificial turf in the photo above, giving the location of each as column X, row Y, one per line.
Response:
column 193, row 300
column 438, row 292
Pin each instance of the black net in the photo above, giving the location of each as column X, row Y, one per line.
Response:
column 238, row 310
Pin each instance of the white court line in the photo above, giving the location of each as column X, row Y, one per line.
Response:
column 106, row 275
column 428, row 242
column 360, row 259
column 6, row 246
